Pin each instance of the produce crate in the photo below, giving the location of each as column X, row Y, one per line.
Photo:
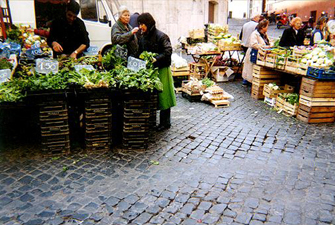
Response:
column 98, row 120
column 270, row 93
column 286, row 107
column 153, row 110
column 184, row 71
column 262, row 82
column 261, row 72
column 197, row 33
column 310, row 102
column 138, row 106
column 291, row 64
column 322, row 74
column 317, row 89
column 280, row 62
column 261, row 55
column 302, row 69
column 270, row 60
column 270, row 101
column 316, row 114
column 54, row 127
column 198, row 70
column 257, row 91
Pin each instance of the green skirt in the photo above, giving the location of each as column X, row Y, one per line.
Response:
column 166, row 98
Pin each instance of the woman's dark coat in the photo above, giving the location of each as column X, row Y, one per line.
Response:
column 157, row 42
column 290, row 38
column 122, row 35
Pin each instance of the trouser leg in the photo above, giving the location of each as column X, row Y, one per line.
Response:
column 165, row 117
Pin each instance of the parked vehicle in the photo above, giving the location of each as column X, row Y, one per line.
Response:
column 282, row 20
column 98, row 16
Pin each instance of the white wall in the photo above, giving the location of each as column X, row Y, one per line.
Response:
column 177, row 17
column 238, row 7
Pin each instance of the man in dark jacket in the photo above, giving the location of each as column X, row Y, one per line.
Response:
column 294, row 35
column 68, row 35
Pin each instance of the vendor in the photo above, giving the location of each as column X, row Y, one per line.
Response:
column 68, row 35
column 294, row 35
column 124, row 34
column 318, row 33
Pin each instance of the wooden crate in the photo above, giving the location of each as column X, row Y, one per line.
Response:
column 270, row 60
column 257, row 91
column 286, row 107
column 261, row 57
column 308, row 101
column 317, row 89
column 177, row 72
column 302, row 69
column 291, row 64
column 198, row 70
column 316, row 114
column 270, row 93
column 197, row 33
column 280, row 62
column 261, row 72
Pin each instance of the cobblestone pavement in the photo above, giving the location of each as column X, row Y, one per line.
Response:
column 244, row 164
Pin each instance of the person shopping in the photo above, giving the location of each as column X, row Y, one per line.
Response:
column 68, row 35
column 318, row 34
column 294, row 35
column 155, row 41
column 124, row 34
column 258, row 39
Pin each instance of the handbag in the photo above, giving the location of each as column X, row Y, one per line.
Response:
column 253, row 55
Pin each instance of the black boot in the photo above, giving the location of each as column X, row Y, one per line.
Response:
column 164, row 119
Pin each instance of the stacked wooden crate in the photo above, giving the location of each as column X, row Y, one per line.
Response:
column 98, row 124
column 55, row 133
column 317, row 101
column 262, row 76
column 198, row 70
column 136, row 119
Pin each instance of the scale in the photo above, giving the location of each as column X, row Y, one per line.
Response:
column 331, row 26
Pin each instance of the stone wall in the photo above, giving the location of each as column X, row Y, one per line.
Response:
column 177, row 17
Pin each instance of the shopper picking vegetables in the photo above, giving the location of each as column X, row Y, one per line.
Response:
column 155, row 41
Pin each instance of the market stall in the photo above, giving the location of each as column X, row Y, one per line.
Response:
column 97, row 101
column 314, row 100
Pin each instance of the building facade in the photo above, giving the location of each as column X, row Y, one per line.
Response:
column 304, row 8
column 177, row 17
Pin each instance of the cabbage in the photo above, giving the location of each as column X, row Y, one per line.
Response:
column 322, row 55
column 320, row 61
column 304, row 61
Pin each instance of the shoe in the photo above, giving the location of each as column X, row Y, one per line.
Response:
column 163, row 127
column 245, row 82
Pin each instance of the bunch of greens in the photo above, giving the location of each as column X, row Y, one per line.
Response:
column 149, row 57
column 14, row 34
column 292, row 98
column 4, row 64
column 208, row 82
column 92, row 79
column 11, row 91
column 144, row 79
column 112, row 61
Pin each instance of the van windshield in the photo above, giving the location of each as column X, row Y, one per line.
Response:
column 114, row 8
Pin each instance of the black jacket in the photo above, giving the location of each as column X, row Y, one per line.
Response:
column 157, row 42
column 290, row 38
column 70, row 37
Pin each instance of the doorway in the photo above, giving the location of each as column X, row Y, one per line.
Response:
column 212, row 11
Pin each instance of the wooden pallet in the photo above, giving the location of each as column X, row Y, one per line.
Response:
column 285, row 107
column 220, row 103
column 308, row 101
column 270, row 93
column 317, row 89
column 316, row 114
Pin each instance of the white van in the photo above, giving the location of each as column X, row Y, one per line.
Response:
column 98, row 16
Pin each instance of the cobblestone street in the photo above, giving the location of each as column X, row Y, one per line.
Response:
column 245, row 164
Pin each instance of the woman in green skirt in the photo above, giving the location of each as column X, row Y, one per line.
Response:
column 155, row 41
